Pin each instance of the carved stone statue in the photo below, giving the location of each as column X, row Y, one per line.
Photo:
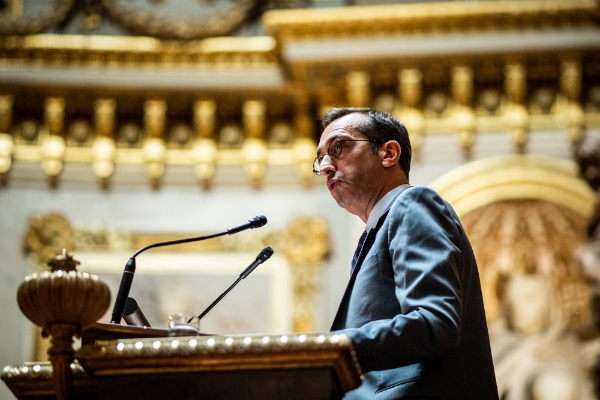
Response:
column 534, row 355
column 537, row 301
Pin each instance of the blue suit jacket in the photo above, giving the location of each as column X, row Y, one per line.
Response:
column 413, row 307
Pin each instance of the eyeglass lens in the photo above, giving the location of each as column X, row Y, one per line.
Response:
column 334, row 150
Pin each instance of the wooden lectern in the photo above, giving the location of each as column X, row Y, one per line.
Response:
column 279, row 367
column 118, row 362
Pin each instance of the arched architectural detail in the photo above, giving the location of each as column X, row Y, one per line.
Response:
column 486, row 181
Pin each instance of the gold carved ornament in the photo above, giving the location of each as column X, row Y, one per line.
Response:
column 104, row 146
column 306, row 244
column 46, row 235
column 205, row 149
column 53, row 144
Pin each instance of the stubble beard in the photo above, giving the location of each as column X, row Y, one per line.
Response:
column 351, row 197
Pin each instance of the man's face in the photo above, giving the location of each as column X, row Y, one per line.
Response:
column 352, row 176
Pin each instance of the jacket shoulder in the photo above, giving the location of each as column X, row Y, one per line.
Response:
column 420, row 207
column 419, row 195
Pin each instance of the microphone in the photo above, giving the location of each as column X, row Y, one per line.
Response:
column 263, row 256
column 129, row 271
column 256, row 222
column 133, row 315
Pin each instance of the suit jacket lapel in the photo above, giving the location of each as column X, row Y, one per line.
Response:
column 363, row 253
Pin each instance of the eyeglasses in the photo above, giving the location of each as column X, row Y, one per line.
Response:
column 334, row 150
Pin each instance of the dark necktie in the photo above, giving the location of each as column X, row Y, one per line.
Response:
column 359, row 247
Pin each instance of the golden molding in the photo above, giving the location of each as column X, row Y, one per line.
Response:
column 482, row 182
column 36, row 371
column 112, row 51
column 36, row 377
column 34, row 380
column 429, row 17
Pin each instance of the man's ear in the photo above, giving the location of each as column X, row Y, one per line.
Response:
column 390, row 153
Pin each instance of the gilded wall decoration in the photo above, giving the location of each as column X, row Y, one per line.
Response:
column 306, row 244
column 287, row 80
column 46, row 236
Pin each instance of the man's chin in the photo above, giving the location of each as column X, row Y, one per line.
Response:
column 337, row 198
column 344, row 201
column 340, row 200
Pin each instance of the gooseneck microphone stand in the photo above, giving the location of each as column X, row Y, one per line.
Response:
column 129, row 271
column 263, row 256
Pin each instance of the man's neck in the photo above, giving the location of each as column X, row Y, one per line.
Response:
column 382, row 206
column 385, row 189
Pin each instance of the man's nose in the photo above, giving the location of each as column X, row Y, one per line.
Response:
column 326, row 166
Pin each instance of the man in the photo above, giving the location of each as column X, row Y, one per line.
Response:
column 413, row 306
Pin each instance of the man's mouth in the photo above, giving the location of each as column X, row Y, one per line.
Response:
column 332, row 183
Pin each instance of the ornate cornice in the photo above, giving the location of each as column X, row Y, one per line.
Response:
column 434, row 18
column 135, row 52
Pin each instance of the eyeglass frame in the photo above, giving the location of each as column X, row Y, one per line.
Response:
column 317, row 162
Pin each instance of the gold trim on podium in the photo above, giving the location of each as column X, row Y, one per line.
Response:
column 34, row 380
column 225, row 353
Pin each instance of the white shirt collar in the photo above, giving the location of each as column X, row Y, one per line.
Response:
column 382, row 206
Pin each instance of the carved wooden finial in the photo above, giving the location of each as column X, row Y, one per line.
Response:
column 63, row 262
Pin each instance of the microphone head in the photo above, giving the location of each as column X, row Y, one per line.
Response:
column 130, row 306
column 265, row 254
column 258, row 222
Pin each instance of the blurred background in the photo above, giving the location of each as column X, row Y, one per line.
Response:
column 129, row 122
